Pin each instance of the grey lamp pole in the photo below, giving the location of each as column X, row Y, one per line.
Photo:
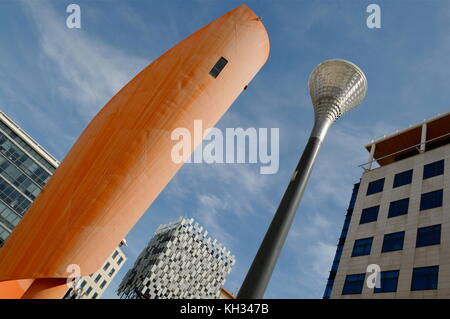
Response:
column 336, row 86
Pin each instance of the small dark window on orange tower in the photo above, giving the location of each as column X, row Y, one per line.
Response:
column 218, row 67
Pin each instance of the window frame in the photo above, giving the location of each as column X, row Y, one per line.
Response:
column 386, row 240
column 384, row 274
column 366, row 211
column 218, row 67
column 433, row 169
column 435, row 201
column 371, row 185
column 396, row 205
column 97, row 279
column 88, row 290
column 400, row 177
column 422, row 237
column 359, row 279
column 434, row 285
column 357, row 244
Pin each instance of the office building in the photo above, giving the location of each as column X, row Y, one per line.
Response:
column 25, row 168
column 398, row 220
column 180, row 261
column 94, row 285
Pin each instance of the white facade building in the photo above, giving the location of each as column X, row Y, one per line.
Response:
column 180, row 261
column 94, row 285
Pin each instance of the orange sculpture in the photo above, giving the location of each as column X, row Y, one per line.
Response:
column 122, row 160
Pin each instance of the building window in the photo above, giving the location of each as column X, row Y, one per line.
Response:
column 389, row 281
column 218, row 67
column 362, row 247
column 83, row 284
column 403, row 178
column 115, row 254
column 375, row 186
column 94, row 296
column 97, row 278
column 425, row 278
column 427, row 236
column 103, row 284
column 433, row 169
column 106, row 266
column 112, row 272
column 398, row 207
column 369, row 214
column 353, row 284
column 88, row 291
column 431, row 200
column 120, row 260
column 393, row 242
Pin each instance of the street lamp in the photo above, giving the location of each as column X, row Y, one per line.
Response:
column 336, row 86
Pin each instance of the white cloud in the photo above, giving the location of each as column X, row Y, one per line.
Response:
column 90, row 71
column 322, row 254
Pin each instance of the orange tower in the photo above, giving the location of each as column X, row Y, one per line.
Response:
column 122, row 160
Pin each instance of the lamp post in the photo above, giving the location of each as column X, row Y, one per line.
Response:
column 336, row 86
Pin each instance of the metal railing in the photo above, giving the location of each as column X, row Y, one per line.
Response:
column 402, row 150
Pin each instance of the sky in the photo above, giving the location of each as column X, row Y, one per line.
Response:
column 53, row 80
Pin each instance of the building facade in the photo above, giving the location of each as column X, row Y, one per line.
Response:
column 94, row 285
column 180, row 261
column 397, row 227
column 25, row 168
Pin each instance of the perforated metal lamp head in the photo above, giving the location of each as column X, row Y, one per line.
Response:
column 336, row 86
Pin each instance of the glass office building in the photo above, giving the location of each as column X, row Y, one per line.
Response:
column 25, row 167
column 398, row 219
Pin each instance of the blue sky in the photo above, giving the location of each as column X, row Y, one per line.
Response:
column 54, row 80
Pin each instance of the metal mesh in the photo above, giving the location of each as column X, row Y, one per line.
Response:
column 336, row 86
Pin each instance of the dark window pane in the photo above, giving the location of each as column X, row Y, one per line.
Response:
column 369, row 214
column 431, row 200
column 353, row 284
column 427, row 236
column 389, row 281
column 398, row 207
column 218, row 67
column 403, row 178
column 425, row 278
column 362, row 247
column 98, row 278
column 433, row 169
column 393, row 242
column 375, row 186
